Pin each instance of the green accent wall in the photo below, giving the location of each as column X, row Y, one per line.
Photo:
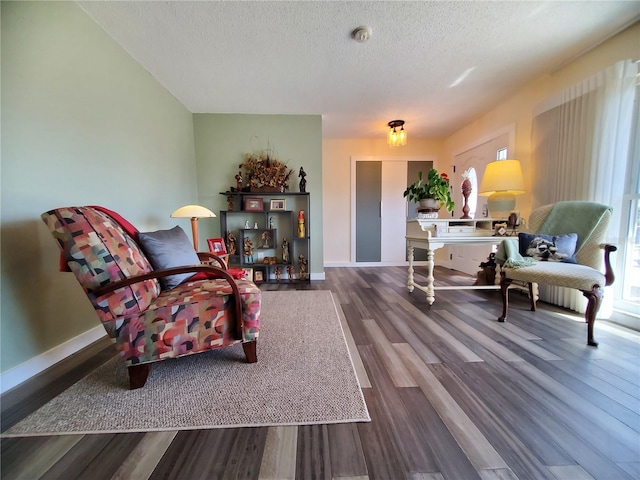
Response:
column 221, row 142
column 82, row 124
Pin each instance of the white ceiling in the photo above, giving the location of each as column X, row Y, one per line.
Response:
column 435, row 64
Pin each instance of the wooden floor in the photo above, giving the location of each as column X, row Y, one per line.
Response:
column 452, row 395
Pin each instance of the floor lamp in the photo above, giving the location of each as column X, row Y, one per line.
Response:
column 194, row 212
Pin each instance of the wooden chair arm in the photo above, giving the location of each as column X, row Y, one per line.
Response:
column 209, row 256
column 608, row 270
column 218, row 273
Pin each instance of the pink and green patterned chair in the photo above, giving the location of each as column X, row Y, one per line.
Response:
column 148, row 322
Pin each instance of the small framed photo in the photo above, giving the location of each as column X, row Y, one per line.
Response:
column 500, row 230
column 248, row 273
column 217, row 246
column 258, row 276
column 277, row 204
column 253, row 204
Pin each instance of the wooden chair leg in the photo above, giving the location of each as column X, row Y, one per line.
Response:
column 594, row 297
column 250, row 351
column 504, row 290
column 532, row 297
column 138, row 375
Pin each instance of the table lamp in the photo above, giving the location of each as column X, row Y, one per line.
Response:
column 194, row 212
column 501, row 182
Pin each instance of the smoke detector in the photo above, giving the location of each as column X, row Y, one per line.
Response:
column 361, row 34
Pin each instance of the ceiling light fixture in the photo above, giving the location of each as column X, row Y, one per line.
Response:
column 397, row 138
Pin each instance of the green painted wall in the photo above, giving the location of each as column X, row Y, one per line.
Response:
column 222, row 140
column 82, row 124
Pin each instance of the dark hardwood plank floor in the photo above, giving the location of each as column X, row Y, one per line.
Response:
column 454, row 396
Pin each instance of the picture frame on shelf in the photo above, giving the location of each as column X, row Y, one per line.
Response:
column 258, row 276
column 277, row 204
column 217, row 246
column 253, row 204
column 500, row 230
column 248, row 273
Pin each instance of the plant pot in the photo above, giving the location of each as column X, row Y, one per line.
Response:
column 266, row 189
column 428, row 205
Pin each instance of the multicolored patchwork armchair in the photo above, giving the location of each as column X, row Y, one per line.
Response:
column 566, row 249
column 147, row 320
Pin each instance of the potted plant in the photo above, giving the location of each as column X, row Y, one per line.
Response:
column 435, row 187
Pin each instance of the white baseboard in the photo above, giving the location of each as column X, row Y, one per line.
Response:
column 23, row 372
column 317, row 276
column 375, row 264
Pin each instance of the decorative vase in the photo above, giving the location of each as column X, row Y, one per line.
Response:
column 466, row 186
column 266, row 189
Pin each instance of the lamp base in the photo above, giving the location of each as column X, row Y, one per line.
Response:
column 501, row 204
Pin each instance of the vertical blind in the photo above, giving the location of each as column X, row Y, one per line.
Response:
column 581, row 140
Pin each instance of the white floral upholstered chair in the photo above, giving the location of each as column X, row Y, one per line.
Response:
column 566, row 248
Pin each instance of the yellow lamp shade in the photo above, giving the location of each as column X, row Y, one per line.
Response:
column 502, row 176
column 501, row 182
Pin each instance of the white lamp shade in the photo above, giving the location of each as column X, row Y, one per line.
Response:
column 192, row 211
column 502, row 176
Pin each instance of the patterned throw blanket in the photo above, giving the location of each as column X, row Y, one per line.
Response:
column 508, row 255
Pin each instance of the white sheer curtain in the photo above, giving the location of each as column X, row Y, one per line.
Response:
column 580, row 151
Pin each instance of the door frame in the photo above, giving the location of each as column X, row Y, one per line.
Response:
column 509, row 129
column 377, row 158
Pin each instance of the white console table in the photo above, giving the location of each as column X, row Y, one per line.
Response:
column 431, row 234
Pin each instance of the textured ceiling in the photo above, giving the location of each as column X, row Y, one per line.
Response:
column 436, row 65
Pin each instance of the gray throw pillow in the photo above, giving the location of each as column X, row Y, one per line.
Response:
column 549, row 248
column 166, row 249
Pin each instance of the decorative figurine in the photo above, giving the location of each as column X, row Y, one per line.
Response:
column 255, row 226
column 302, row 263
column 231, row 243
column 239, row 181
column 466, row 191
column 285, row 250
column 303, row 181
column 271, row 223
column 248, row 250
column 246, row 225
column 230, row 203
column 266, row 236
column 278, row 273
column 301, row 229
column 290, row 272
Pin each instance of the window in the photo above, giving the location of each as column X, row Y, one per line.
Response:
column 628, row 295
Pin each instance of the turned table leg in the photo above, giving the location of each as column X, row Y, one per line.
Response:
column 410, row 272
column 430, row 290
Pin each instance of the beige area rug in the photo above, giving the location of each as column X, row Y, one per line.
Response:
column 304, row 375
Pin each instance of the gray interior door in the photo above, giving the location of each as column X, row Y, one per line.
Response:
column 368, row 218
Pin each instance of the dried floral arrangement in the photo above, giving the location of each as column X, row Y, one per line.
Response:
column 264, row 172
